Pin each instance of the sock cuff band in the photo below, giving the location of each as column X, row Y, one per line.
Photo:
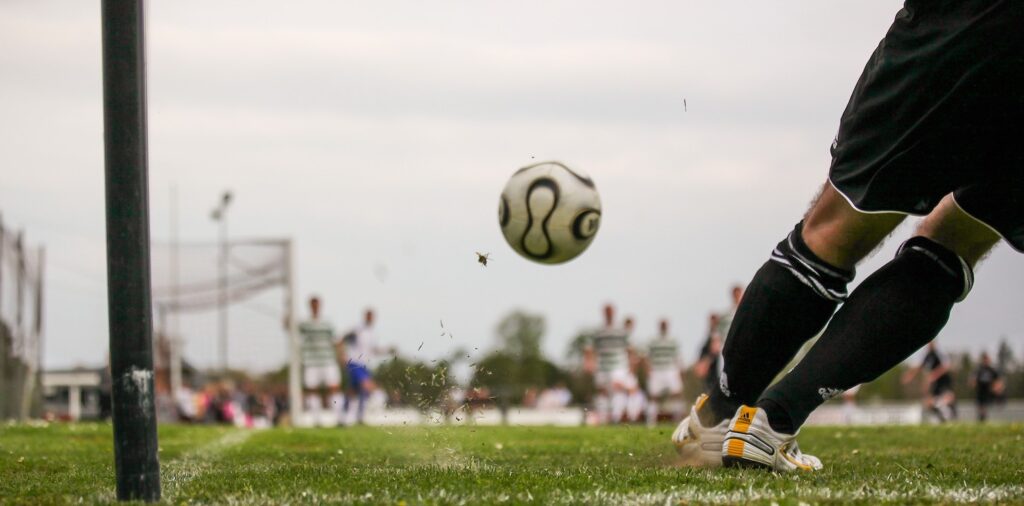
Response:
column 946, row 259
column 826, row 280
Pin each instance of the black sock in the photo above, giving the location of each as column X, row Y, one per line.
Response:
column 894, row 312
column 778, row 418
column 788, row 302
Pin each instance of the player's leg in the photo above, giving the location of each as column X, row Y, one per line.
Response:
column 602, row 405
column 602, row 397
column 932, row 402
column 619, row 402
column 792, row 297
column 894, row 312
column 655, row 397
column 335, row 398
column 365, row 388
column 311, row 390
column 654, row 403
column 676, row 402
column 949, row 399
column 635, row 402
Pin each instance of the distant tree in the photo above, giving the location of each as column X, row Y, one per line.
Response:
column 574, row 352
column 518, row 364
column 1005, row 360
column 417, row 384
column 889, row 387
column 961, row 376
column 520, row 334
column 508, row 377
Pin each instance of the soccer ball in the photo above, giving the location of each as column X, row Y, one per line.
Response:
column 549, row 213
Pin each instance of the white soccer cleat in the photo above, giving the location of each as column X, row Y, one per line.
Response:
column 751, row 442
column 699, row 446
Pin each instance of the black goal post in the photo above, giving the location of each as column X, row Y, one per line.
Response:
column 128, row 290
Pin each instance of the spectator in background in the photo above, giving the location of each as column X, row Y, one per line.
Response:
column 556, row 397
column 709, row 359
column 987, row 384
column 725, row 319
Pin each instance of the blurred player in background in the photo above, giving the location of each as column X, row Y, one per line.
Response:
column 939, row 397
column 360, row 349
column 725, row 317
column 987, row 384
column 321, row 377
column 607, row 358
column 664, row 375
column 635, row 398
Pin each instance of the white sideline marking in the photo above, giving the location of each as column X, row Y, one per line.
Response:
column 675, row 495
column 181, row 471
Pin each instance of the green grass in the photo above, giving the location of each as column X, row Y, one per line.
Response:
column 42, row 464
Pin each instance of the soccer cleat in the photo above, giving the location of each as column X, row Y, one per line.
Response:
column 751, row 442
column 699, row 446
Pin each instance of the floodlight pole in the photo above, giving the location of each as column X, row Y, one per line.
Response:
column 220, row 215
column 294, row 350
column 128, row 286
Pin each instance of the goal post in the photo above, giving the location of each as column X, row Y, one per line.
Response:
column 127, row 220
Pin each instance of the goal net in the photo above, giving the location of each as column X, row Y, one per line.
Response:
column 21, row 326
column 191, row 278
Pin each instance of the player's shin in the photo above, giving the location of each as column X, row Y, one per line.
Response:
column 894, row 312
column 338, row 405
column 788, row 302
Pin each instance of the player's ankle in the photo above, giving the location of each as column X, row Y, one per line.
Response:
column 778, row 419
column 718, row 408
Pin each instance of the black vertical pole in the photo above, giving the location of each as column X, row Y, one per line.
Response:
column 128, row 295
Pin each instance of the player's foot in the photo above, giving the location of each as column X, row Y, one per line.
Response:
column 751, row 442
column 699, row 446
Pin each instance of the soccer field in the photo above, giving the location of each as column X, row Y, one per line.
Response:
column 466, row 465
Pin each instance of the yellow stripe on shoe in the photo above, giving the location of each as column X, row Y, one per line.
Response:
column 745, row 418
column 799, row 465
column 701, row 401
column 735, row 447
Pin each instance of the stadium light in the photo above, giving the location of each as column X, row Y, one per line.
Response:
column 128, row 285
column 220, row 215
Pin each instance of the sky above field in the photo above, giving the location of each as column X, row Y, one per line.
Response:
column 378, row 136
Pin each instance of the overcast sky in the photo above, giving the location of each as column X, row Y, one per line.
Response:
column 378, row 136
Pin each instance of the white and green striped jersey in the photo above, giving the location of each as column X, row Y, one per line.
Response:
column 611, row 346
column 317, row 343
column 663, row 353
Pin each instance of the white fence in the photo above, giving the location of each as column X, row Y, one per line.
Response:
column 830, row 414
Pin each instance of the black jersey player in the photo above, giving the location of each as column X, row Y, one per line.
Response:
column 932, row 128
column 988, row 386
column 939, row 396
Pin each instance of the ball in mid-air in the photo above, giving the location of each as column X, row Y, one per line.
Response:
column 549, row 213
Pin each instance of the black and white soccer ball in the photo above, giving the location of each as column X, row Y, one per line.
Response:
column 549, row 213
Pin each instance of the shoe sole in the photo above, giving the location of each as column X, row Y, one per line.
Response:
column 742, row 463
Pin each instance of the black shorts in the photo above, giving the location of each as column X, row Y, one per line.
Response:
column 984, row 398
column 939, row 109
column 941, row 385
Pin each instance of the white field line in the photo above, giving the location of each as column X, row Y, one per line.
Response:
column 677, row 495
column 179, row 472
